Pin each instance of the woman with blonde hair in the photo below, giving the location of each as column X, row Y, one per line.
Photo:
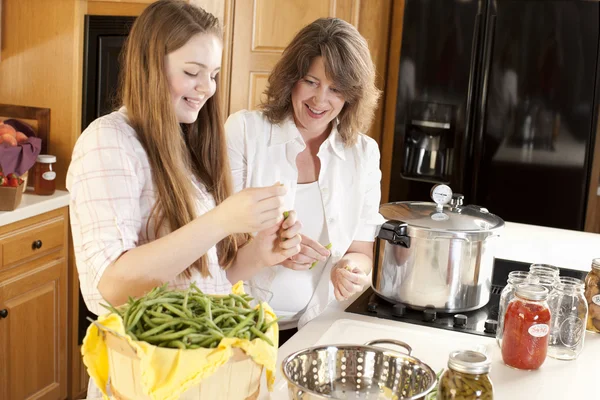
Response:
column 150, row 183
column 320, row 97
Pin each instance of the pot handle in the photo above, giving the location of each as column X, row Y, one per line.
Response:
column 395, row 232
column 390, row 341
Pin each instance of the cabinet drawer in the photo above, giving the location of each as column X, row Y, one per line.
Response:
column 34, row 242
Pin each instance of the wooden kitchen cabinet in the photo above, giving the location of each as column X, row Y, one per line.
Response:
column 33, row 308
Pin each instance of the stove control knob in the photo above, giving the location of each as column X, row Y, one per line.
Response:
column 372, row 307
column 429, row 315
column 399, row 310
column 460, row 320
column 490, row 326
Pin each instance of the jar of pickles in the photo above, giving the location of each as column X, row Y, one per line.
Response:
column 592, row 296
column 466, row 377
column 526, row 328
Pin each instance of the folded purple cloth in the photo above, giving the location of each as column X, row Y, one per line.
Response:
column 20, row 158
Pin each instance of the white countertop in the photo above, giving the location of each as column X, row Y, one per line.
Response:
column 554, row 380
column 560, row 247
column 32, row 205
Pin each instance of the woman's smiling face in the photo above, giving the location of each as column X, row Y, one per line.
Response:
column 316, row 100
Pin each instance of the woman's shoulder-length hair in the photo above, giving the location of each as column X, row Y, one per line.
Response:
column 347, row 63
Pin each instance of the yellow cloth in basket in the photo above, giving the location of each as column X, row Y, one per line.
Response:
column 167, row 373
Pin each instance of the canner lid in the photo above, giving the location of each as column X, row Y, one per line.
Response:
column 427, row 216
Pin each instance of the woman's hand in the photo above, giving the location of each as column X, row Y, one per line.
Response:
column 310, row 252
column 347, row 280
column 280, row 242
column 253, row 209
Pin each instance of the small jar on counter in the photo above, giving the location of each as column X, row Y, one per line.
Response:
column 526, row 328
column 44, row 178
column 467, row 377
column 592, row 296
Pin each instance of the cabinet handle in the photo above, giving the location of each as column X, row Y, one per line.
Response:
column 36, row 245
column 3, row 313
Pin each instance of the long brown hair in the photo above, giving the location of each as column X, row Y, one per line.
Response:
column 347, row 63
column 163, row 27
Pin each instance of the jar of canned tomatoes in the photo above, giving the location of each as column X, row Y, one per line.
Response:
column 526, row 328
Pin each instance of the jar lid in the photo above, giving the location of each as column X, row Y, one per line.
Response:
column 469, row 362
column 426, row 216
column 530, row 291
column 46, row 159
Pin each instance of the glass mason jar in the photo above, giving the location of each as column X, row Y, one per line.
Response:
column 569, row 310
column 466, row 377
column 514, row 278
column 592, row 295
column 526, row 328
column 544, row 269
column 547, row 274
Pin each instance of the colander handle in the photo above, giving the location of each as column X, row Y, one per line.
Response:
column 390, row 341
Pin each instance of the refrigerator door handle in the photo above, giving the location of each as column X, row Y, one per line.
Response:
column 469, row 107
column 480, row 113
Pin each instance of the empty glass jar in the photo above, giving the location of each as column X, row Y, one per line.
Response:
column 514, row 278
column 547, row 274
column 544, row 269
column 569, row 310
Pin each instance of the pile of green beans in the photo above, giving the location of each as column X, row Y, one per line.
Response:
column 190, row 319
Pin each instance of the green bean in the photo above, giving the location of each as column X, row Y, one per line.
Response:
column 268, row 325
column 138, row 315
column 148, row 321
column 207, row 309
column 159, row 329
column 245, row 322
column 260, row 335
column 241, row 300
column 222, row 317
column 185, row 299
column 177, row 343
column 261, row 317
column 175, row 310
column 169, row 336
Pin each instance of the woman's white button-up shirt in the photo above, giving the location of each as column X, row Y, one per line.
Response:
column 261, row 154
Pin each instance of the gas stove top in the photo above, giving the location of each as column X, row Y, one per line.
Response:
column 483, row 321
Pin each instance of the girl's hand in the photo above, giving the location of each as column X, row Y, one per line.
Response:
column 278, row 243
column 253, row 209
column 347, row 280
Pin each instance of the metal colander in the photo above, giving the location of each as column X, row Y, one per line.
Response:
column 357, row 372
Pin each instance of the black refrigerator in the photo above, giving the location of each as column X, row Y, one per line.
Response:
column 499, row 99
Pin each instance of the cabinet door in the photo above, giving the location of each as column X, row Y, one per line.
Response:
column 33, row 334
column 262, row 30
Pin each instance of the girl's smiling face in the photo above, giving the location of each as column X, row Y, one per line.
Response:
column 192, row 72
